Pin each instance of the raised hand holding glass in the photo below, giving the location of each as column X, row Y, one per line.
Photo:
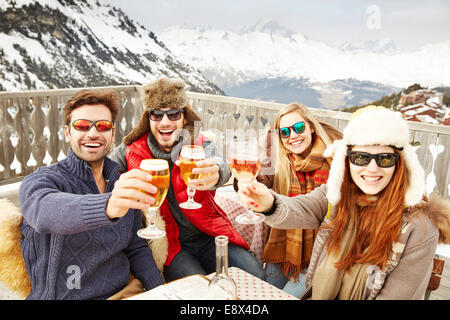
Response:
column 244, row 162
column 159, row 169
column 189, row 156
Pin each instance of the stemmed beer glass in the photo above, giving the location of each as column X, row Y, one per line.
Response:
column 244, row 162
column 159, row 169
column 189, row 156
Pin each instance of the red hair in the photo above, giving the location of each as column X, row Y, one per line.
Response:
column 378, row 225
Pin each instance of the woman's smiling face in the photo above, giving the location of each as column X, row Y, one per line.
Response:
column 298, row 143
column 372, row 179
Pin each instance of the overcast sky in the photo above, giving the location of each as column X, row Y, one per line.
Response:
column 410, row 24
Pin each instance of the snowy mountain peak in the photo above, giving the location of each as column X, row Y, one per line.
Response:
column 263, row 56
column 82, row 43
column 382, row 46
column 269, row 26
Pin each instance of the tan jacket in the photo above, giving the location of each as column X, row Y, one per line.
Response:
column 408, row 270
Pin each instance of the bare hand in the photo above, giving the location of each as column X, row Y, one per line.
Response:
column 255, row 195
column 127, row 195
column 209, row 174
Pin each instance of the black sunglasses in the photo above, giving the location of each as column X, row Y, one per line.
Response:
column 383, row 160
column 172, row 114
column 86, row 125
column 298, row 128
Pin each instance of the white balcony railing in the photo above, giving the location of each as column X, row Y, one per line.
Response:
column 32, row 134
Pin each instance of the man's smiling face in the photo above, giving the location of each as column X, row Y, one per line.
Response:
column 166, row 132
column 92, row 145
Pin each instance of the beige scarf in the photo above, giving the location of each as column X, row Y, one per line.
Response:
column 330, row 283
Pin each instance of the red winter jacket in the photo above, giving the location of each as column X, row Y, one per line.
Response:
column 210, row 218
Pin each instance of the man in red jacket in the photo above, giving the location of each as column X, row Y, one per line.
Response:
column 167, row 123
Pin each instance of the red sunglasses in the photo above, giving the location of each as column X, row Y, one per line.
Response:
column 86, row 125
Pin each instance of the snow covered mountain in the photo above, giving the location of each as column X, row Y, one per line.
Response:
column 382, row 46
column 82, row 43
column 268, row 61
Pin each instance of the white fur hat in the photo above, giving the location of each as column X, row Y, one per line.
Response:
column 374, row 125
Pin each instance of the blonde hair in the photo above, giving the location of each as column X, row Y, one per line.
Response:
column 282, row 178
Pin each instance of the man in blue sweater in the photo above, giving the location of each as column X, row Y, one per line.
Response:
column 80, row 215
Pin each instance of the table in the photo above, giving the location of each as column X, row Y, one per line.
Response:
column 250, row 287
column 195, row 287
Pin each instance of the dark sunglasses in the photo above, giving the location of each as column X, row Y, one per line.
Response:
column 86, row 125
column 172, row 114
column 383, row 160
column 298, row 128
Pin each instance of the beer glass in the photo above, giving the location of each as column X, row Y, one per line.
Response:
column 159, row 169
column 244, row 162
column 189, row 156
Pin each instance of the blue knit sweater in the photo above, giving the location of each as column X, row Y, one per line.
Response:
column 72, row 250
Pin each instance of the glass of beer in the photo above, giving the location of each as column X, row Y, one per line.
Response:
column 244, row 162
column 189, row 156
column 159, row 169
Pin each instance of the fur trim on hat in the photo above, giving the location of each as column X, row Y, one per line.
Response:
column 376, row 126
column 338, row 151
column 13, row 273
column 142, row 127
column 416, row 176
column 165, row 93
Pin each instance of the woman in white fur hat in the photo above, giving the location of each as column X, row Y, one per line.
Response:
column 378, row 232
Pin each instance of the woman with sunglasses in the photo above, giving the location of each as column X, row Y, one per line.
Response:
column 377, row 231
column 299, row 169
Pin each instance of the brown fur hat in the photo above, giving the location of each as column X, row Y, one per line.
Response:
column 163, row 93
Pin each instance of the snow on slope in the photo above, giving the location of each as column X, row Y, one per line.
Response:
column 84, row 42
column 229, row 58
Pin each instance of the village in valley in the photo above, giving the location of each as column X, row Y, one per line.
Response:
column 424, row 105
column 416, row 103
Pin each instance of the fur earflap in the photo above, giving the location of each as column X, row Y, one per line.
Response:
column 142, row 127
column 13, row 273
column 337, row 150
column 416, row 177
column 331, row 149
